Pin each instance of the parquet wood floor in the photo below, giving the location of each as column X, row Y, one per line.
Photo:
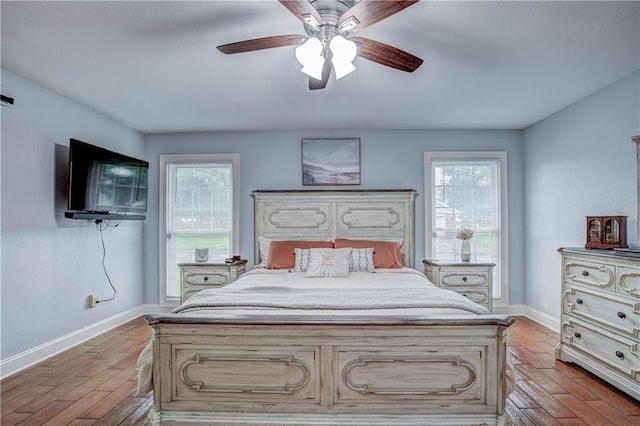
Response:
column 95, row 384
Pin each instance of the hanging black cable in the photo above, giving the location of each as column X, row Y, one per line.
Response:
column 101, row 226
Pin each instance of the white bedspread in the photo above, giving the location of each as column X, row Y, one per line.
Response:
column 362, row 291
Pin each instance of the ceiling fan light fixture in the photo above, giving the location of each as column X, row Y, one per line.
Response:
column 310, row 20
column 349, row 24
column 314, row 68
column 309, row 54
column 344, row 52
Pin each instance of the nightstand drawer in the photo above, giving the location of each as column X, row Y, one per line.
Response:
column 475, row 294
column 457, row 278
column 214, row 278
column 193, row 289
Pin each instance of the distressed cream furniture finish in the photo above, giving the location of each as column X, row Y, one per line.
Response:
column 327, row 215
column 330, row 370
column 600, row 323
column 474, row 280
column 636, row 139
column 195, row 277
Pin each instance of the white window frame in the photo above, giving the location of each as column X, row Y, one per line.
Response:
column 501, row 156
column 165, row 161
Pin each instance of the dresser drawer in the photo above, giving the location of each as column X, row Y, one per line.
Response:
column 629, row 281
column 619, row 313
column 611, row 349
column 462, row 278
column 206, row 277
column 598, row 275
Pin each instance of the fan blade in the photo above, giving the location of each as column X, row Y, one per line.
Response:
column 326, row 72
column 261, row 43
column 386, row 55
column 367, row 12
column 303, row 9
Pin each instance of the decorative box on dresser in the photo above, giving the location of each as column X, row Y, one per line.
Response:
column 600, row 318
column 471, row 279
column 195, row 277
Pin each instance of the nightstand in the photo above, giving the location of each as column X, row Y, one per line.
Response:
column 195, row 277
column 471, row 279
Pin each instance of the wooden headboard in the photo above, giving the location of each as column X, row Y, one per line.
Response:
column 329, row 214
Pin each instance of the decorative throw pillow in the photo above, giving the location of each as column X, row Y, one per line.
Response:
column 361, row 260
column 329, row 263
column 281, row 253
column 302, row 260
column 386, row 254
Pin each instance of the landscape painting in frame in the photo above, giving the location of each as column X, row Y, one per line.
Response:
column 331, row 161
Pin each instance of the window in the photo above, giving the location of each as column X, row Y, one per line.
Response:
column 468, row 189
column 199, row 209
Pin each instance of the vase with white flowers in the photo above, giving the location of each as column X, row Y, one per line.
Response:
column 465, row 234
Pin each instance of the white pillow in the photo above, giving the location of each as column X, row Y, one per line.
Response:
column 361, row 260
column 302, row 260
column 329, row 263
column 263, row 251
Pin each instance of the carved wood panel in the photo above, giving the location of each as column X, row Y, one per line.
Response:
column 367, row 375
column 285, row 373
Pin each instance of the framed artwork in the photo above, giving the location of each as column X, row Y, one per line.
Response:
column 334, row 161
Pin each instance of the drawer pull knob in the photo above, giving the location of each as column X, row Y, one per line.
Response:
column 619, row 354
column 622, row 315
column 464, row 278
column 206, row 278
column 585, row 273
column 579, row 301
column 577, row 335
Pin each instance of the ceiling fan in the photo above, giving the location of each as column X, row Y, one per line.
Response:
column 327, row 45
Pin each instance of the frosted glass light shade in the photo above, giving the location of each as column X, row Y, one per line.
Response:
column 344, row 52
column 309, row 54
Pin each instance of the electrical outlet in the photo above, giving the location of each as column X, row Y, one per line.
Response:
column 92, row 300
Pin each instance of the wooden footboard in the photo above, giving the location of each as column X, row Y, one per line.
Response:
column 294, row 370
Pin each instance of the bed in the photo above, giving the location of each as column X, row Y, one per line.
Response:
column 378, row 346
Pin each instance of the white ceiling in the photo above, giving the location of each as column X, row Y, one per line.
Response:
column 487, row 65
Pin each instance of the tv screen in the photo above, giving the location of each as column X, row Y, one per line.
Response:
column 105, row 182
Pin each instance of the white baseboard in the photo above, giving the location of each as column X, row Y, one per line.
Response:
column 19, row 362
column 540, row 317
column 26, row 359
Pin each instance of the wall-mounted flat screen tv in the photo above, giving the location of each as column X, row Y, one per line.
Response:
column 104, row 184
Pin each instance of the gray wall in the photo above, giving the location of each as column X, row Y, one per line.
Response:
column 49, row 265
column 390, row 159
column 580, row 161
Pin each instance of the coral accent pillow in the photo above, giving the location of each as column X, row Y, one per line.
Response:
column 386, row 254
column 281, row 253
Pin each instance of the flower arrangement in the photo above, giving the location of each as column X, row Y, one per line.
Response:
column 464, row 234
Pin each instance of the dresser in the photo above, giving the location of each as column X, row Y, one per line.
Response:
column 600, row 318
column 195, row 277
column 471, row 279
